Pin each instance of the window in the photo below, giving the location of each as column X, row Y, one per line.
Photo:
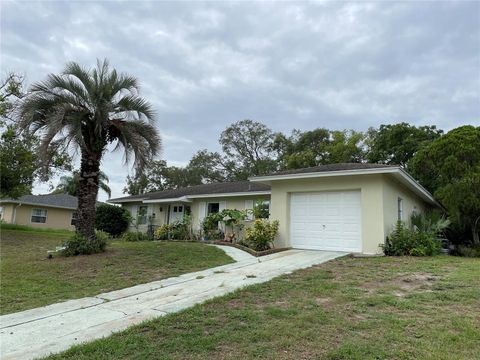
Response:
column 73, row 221
column 180, row 208
column 400, row 209
column 188, row 210
column 142, row 215
column 39, row 216
column 262, row 209
column 1, row 212
column 175, row 209
column 213, row 208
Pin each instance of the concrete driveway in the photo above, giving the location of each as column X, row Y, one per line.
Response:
column 54, row 328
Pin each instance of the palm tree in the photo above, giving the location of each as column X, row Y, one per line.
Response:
column 70, row 184
column 86, row 110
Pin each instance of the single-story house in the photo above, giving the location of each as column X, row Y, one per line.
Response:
column 56, row 211
column 342, row 207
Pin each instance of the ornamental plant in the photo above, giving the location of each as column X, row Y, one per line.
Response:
column 261, row 235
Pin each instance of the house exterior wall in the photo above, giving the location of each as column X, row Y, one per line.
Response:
column 370, row 186
column 234, row 202
column 392, row 190
column 8, row 213
column 22, row 215
column 237, row 202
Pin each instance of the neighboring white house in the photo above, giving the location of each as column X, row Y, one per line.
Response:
column 342, row 207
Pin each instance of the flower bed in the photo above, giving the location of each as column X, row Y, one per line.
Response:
column 247, row 249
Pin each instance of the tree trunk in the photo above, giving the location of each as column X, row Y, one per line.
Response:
column 87, row 194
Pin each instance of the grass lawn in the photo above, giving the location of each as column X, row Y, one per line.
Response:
column 366, row 308
column 29, row 279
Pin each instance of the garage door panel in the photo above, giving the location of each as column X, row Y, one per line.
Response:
column 326, row 221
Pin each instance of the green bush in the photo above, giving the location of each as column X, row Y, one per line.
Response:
column 78, row 245
column 414, row 242
column 466, row 251
column 210, row 226
column 178, row 230
column 112, row 219
column 133, row 236
column 261, row 235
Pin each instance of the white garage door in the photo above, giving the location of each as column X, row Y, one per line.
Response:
column 326, row 221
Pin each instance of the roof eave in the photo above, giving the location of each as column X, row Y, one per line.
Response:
column 268, row 178
column 397, row 170
column 36, row 204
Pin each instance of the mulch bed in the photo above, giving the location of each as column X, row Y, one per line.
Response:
column 250, row 251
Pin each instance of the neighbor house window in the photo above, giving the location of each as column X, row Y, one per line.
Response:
column 400, row 209
column 73, row 221
column 142, row 215
column 39, row 216
column 213, row 208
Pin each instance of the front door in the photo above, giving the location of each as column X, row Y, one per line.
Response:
column 176, row 213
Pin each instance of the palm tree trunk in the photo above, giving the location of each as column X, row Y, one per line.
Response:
column 87, row 194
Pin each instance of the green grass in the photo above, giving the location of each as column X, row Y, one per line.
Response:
column 366, row 308
column 36, row 230
column 29, row 279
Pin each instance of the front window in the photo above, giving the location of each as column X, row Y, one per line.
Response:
column 400, row 209
column 39, row 216
column 142, row 215
column 213, row 208
column 262, row 209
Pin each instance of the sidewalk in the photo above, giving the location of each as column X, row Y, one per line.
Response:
column 38, row 332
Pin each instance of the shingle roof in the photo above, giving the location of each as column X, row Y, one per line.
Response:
column 52, row 200
column 204, row 189
column 332, row 167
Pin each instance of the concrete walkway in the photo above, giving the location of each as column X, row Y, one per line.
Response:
column 38, row 332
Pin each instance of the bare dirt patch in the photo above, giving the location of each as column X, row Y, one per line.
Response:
column 405, row 284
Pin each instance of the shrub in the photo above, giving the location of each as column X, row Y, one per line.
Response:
column 112, row 219
column 179, row 230
column 466, row 251
column 261, row 235
column 133, row 236
column 78, row 245
column 210, row 226
column 404, row 241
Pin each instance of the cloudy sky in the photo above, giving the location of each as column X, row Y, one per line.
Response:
column 204, row 65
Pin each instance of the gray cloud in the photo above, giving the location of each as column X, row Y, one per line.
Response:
column 289, row 64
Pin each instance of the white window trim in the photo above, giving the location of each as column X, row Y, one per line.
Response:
column 213, row 202
column 138, row 215
column 31, row 216
column 400, row 213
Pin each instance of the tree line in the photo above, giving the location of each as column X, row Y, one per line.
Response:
column 250, row 148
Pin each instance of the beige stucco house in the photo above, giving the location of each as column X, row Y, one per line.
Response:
column 54, row 211
column 341, row 207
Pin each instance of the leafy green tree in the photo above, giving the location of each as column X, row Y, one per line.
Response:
column 88, row 109
column 17, row 164
column 396, row 144
column 207, row 167
column 450, row 168
column 319, row 147
column 18, row 156
column 70, row 184
column 11, row 90
column 248, row 145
